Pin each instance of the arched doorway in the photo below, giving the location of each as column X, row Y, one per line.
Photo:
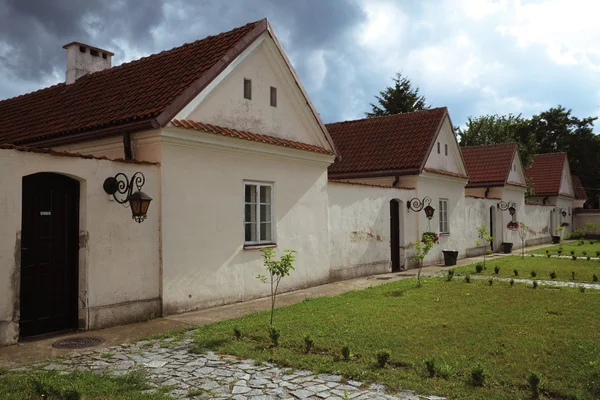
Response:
column 395, row 235
column 49, row 254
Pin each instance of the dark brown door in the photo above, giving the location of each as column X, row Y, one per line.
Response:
column 395, row 234
column 49, row 254
column 492, row 227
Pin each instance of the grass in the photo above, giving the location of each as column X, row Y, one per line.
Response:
column 574, row 245
column 30, row 385
column 455, row 326
column 584, row 270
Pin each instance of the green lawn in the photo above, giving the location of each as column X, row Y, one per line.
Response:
column 569, row 246
column 543, row 266
column 31, row 385
column 509, row 332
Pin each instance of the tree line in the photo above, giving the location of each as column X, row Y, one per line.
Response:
column 550, row 131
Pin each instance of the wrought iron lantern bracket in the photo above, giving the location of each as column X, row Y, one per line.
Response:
column 138, row 201
column 511, row 206
column 418, row 205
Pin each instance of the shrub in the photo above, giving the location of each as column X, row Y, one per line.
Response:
column 274, row 334
column 553, row 275
column 588, row 258
column 450, row 275
column 308, row 343
column 533, row 255
column 533, row 274
column 584, row 253
column 516, row 272
column 582, row 242
column 573, row 275
column 277, row 269
column 477, row 376
column 383, row 356
column 572, row 252
column 479, row 268
column 468, row 278
column 559, row 251
column 547, row 251
column 534, row 385
column 597, row 253
column 497, row 269
column 574, row 258
column 582, row 289
column 346, row 352
column 237, row 333
column 595, row 278
column 535, row 284
column 591, row 242
column 491, row 281
column 548, row 255
column 430, row 367
column 512, row 282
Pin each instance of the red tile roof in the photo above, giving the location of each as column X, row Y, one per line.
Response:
column 578, row 188
column 397, row 143
column 488, row 165
column 153, row 88
column 447, row 173
column 254, row 137
column 371, row 185
column 545, row 173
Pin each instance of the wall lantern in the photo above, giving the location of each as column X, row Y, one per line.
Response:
column 417, row 205
column 510, row 206
column 563, row 212
column 138, row 201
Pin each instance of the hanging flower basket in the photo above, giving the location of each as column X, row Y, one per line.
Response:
column 512, row 225
column 565, row 224
column 430, row 236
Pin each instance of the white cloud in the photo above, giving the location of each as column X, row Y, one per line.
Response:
column 480, row 9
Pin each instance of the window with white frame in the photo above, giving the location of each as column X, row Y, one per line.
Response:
column 443, row 213
column 258, row 213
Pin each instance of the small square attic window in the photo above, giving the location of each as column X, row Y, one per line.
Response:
column 273, row 96
column 94, row 53
column 247, row 89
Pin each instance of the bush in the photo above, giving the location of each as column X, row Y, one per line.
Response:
column 548, row 255
column 572, row 252
column 573, row 275
column 535, row 284
column 534, row 385
column 595, row 278
column 477, row 376
column 533, row 274
column 479, row 268
column 533, row 255
column 574, row 258
column 383, row 357
column 346, row 352
column 468, row 278
column 591, row 242
column 588, row 258
column 584, row 253
column 547, row 252
column 308, row 344
column 582, row 289
column 274, row 334
column 559, row 251
column 512, row 282
column 450, row 275
column 553, row 275
column 598, row 254
column 497, row 269
column 516, row 272
column 237, row 333
column 491, row 281
column 430, row 367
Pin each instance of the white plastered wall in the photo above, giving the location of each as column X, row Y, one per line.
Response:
column 119, row 259
column 439, row 160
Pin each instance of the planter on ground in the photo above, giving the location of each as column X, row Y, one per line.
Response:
column 450, row 257
column 507, row 247
column 555, row 239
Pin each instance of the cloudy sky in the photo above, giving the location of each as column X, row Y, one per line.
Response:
column 473, row 56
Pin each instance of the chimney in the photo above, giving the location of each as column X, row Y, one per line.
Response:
column 83, row 59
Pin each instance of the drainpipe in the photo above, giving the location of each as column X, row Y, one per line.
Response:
column 544, row 200
column 127, row 146
column 396, row 181
column 487, row 190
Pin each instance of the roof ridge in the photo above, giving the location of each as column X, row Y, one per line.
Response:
column 387, row 116
column 490, row 145
column 136, row 61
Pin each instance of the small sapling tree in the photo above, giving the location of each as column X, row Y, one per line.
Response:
column 522, row 234
column 277, row 269
column 484, row 239
column 421, row 249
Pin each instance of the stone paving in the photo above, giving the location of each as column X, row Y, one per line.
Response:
column 184, row 375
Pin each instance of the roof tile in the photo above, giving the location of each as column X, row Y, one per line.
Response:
column 578, row 188
column 135, row 91
column 489, row 164
column 254, row 137
column 392, row 142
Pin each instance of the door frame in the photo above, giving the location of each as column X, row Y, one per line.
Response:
column 77, row 255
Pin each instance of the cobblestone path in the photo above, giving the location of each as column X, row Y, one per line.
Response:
column 185, row 375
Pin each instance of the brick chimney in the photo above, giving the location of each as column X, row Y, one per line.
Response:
column 83, row 59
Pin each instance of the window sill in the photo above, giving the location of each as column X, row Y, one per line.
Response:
column 445, row 234
column 259, row 246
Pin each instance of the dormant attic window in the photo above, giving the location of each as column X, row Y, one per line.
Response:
column 273, row 96
column 248, row 89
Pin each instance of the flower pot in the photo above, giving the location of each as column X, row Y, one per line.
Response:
column 450, row 257
column 507, row 247
column 555, row 239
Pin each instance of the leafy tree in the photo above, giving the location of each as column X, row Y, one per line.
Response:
column 277, row 270
column 401, row 97
column 422, row 248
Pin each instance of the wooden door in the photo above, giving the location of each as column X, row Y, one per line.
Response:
column 395, row 234
column 49, row 254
